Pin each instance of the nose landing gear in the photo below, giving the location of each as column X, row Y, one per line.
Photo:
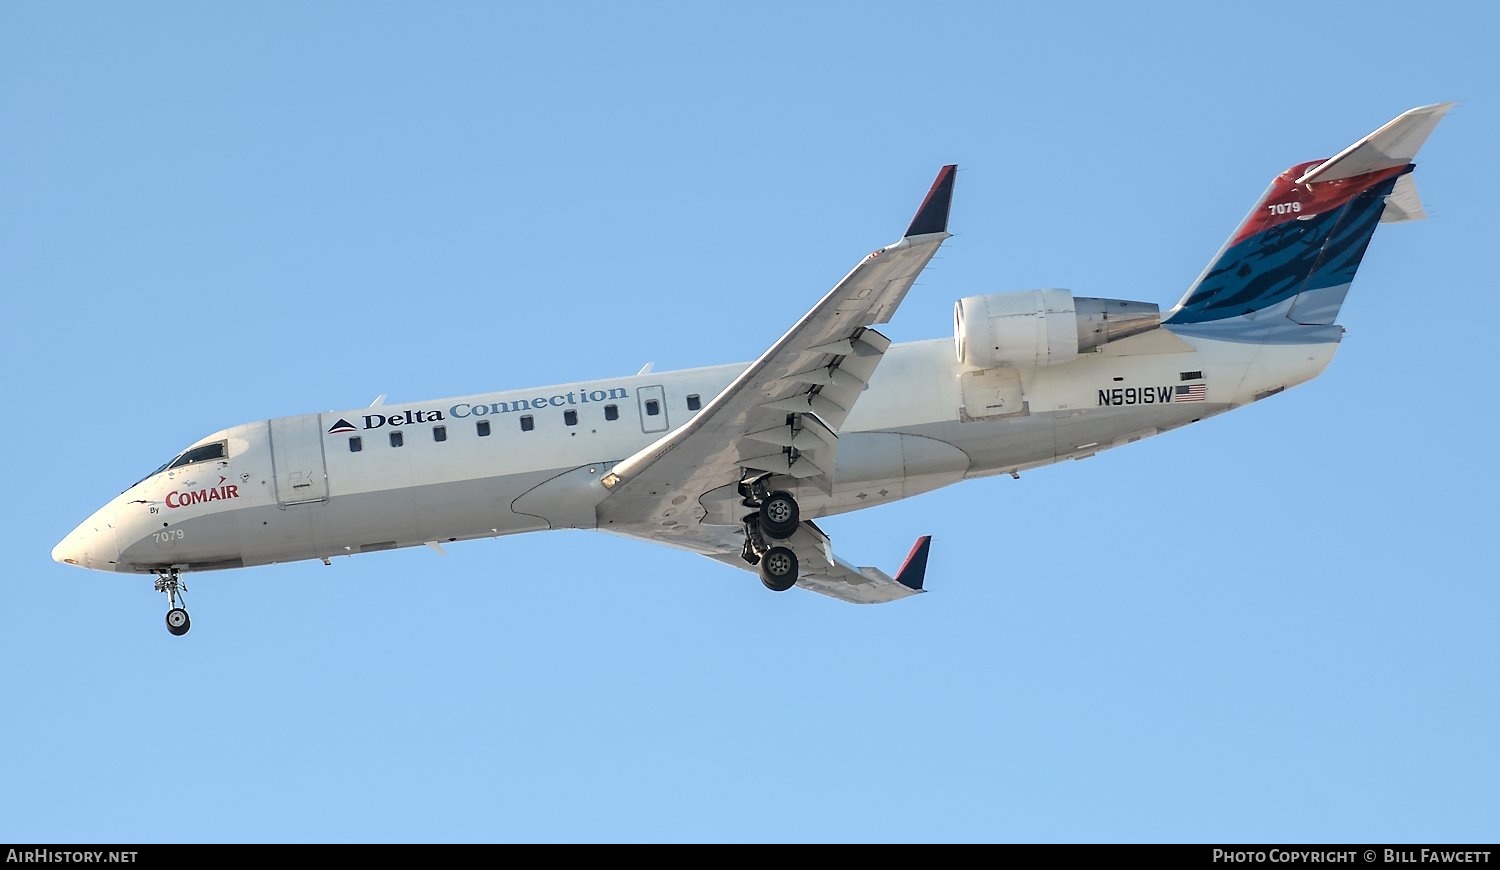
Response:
column 167, row 581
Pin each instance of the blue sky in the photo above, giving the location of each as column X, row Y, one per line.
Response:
column 1278, row 625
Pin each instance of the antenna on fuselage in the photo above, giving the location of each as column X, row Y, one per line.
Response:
column 379, row 400
column 645, row 369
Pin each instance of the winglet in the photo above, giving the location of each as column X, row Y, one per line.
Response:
column 932, row 217
column 914, row 569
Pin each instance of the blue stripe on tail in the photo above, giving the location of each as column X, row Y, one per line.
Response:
column 1312, row 253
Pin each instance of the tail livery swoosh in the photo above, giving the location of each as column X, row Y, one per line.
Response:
column 1295, row 255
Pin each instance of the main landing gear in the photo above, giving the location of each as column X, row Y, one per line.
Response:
column 167, row 581
column 776, row 519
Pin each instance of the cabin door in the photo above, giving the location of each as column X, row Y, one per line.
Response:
column 297, row 460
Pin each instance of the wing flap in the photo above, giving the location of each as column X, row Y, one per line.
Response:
column 812, row 430
column 831, row 412
column 800, row 466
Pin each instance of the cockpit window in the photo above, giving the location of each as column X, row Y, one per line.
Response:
column 201, row 453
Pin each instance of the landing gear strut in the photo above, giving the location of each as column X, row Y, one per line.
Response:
column 167, row 581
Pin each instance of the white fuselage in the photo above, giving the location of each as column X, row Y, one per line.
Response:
column 293, row 488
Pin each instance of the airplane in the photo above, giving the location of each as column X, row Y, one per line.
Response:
column 738, row 462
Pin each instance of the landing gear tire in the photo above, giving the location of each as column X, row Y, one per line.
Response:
column 778, row 569
column 178, row 622
column 168, row 580
column 779, row 516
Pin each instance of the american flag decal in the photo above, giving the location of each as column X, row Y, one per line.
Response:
column 1190, row 393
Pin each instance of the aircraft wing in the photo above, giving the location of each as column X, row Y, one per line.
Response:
column 782, row 415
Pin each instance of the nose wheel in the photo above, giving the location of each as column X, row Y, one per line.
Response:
column 167, row 580
column 178, row 622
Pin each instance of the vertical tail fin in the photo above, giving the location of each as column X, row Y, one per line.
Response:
column 1294, row 256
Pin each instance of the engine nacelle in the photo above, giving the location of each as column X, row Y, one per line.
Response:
column 1042, row 327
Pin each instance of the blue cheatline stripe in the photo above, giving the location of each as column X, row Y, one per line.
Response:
column 1278, row 263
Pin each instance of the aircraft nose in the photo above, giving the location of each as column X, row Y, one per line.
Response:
column 70, row 551
column 91, row 545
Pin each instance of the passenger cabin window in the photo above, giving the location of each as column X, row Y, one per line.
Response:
column 611, row 412
column 527, row 423
column 570, row 418
column 653, row 407
column 356, row 444
column 440, row 433
column 483, row 428
column 694, row 403
column 397, row 439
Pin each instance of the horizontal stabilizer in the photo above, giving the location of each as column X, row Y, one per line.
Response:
column 1393, row 145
